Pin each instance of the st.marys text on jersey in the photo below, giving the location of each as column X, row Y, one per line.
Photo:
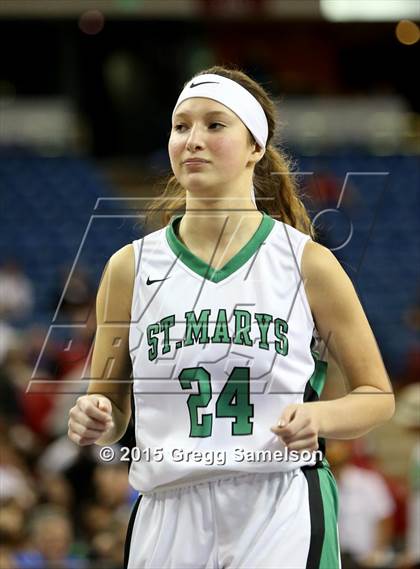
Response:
column 207, row 328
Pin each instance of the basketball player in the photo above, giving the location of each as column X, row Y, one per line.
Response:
column 225, row 350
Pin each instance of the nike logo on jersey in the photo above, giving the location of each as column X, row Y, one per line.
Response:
column 149, row 282
column 202, row 83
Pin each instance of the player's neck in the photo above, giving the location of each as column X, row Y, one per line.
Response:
column 226, row 231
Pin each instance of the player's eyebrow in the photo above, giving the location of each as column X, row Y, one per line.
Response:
column 209, row 113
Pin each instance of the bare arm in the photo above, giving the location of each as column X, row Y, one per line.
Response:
column 335, row 383
column 102, row 416
column 342, row 324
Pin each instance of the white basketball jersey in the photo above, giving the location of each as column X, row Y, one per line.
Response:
column 217, row 355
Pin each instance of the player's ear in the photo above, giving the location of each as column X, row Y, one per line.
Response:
column 257, row 152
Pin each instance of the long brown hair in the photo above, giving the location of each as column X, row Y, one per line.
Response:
column 276, row 188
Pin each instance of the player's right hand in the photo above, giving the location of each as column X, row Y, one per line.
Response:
column 90, row 419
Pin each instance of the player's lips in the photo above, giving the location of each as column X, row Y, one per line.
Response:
column 195, row 161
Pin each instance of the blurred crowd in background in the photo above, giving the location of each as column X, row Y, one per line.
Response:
column 61, row 506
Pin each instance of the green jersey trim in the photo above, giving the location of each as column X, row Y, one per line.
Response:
column 207, row 271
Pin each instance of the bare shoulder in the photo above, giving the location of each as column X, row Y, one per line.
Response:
column 120, row 267
column 331, row 295
column 116, row 288
column 318, row 261
column 123, row 260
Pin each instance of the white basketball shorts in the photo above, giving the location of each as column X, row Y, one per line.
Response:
column 266, row 521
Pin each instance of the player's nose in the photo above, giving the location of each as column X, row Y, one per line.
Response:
column 195, row 138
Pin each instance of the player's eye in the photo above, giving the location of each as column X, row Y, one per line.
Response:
column 212, row 126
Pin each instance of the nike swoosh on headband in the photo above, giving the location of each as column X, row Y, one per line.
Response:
column 234, row 96
column 202, row 83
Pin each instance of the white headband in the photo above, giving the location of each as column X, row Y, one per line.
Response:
column 232, row 95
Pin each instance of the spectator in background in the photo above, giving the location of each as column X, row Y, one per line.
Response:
column 104, row 520
column 408, row 415
column 6, row 558
column 34, row 344
column 17, row 484
column 50, row 542
column 96, row 519
column 78, row 296
column 111, row 485
column 16, row 292
column 10, row 408
column 12, row 522
column 33, row 410
column 411, row 318
column 366, row 507
column 56, row 490
column 9, row 339
column 17, row 498
column 71, row 357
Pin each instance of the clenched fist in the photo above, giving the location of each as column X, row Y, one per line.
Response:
column 90, row 419
column 298, row 427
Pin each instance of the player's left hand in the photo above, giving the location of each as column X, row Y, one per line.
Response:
column 298, row 427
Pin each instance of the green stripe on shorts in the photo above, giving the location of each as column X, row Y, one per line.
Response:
column 330, row 554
